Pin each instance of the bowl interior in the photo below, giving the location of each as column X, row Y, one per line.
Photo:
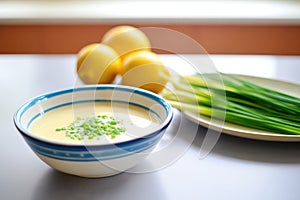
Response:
column 128, row 96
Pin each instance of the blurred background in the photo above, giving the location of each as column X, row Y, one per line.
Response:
column 269, row 27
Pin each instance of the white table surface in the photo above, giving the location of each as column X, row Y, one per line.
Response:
column 236, row 168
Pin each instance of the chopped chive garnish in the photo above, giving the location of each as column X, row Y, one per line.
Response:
column 93, row 127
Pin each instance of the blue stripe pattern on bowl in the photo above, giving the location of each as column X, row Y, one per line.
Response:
column 97, row 153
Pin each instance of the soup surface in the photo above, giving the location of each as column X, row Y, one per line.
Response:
column 133, row 122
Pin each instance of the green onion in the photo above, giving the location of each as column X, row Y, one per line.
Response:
column 92, row 127
column 237, row 101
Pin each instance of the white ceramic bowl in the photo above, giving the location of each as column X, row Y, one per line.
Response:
column 93, row 160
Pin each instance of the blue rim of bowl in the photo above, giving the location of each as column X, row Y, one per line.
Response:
column 23, row 108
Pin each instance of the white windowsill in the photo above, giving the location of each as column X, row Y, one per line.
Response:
column 203, row 11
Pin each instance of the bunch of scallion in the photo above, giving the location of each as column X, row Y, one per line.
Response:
column 237, row 101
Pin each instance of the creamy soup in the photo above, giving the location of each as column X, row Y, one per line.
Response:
column 130, row 121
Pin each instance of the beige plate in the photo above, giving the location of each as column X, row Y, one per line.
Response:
column 240, row 131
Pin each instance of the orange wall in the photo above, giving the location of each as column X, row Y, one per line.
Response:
column 216, row 39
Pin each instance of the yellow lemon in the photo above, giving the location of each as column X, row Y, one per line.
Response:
column 98, row 63
column 126, row 39
column 144, row 69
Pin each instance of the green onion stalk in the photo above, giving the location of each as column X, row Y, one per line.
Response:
column 237, row 101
